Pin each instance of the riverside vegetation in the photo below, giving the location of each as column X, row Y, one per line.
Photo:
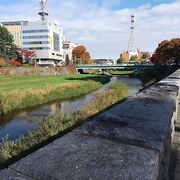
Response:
column 59, row 123
column 151, row 76
column 28, row 91
column 147, row 76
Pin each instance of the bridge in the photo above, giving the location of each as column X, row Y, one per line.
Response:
column 117, row 66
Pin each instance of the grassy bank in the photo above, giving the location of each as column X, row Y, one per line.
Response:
column 150, row 76
column 121, row 72
column 59, row 123
column 28, row 91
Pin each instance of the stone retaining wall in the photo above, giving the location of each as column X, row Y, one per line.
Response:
column 21, row 71
column 132, row 140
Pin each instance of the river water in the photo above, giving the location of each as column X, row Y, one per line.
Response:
column 21, row 122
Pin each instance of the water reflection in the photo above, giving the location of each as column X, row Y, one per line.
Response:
column 21, row 122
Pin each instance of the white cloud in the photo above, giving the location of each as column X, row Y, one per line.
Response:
column 103, row 30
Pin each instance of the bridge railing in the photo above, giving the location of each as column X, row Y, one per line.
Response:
column 117, row 66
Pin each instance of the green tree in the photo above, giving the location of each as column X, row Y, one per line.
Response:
column 167, row 52
column 7, row 48
column 133, row 58
column 120, row 60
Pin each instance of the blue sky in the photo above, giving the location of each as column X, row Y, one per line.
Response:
column 103, row 26
column 116, row 4
column 121, row 4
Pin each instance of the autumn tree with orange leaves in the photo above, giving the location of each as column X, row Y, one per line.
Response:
column 167, row 52
column 2, row 61
column 81, row 56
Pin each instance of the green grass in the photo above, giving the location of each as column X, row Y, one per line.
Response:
column 35, row 81
column 59, row 123
column 28, row 91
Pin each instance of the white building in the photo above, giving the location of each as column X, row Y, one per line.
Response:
column 68, row 47
column 45, row 38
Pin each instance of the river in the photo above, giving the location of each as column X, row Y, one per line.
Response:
column 21, row 122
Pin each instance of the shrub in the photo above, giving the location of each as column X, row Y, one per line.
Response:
column 26, row 65
column 16, row 62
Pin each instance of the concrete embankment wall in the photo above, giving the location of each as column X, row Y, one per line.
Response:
column 21, row 71
column 132, row 140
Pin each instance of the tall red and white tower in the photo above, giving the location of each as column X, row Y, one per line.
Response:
column 43, row 13
column 132, row 45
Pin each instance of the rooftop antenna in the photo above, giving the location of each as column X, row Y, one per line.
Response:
column 131, row 46
column 43, row 14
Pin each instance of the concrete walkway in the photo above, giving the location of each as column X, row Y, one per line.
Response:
column 176, row 147
column 132, row 140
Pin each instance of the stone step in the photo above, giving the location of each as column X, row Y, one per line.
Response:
column 177, row 121
column 178, row 158
column 177, row 167
column 176, row 141
column 176, row 138
column 177, row 176
column 177, row 127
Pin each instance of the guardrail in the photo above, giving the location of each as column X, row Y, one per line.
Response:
column 125, row 66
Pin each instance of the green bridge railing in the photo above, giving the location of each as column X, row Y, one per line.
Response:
column 123, row 66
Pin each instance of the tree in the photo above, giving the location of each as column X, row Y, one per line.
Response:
column 77, row 54
column 133, row 58
column 2, row 62
column 81, row 56
column 145, row 56
column 67, row 61
column 86, row 58
column 15, row 62
column 120, row 60
column 7, row 47
column 167, row 52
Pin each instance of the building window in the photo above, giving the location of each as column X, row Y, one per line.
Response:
column 37, row 48
column 36, row 42
column 56, row 42
column 35, row 37
column 36, row 31
column 59, row 55
column 25, row 23
column 65, row 46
